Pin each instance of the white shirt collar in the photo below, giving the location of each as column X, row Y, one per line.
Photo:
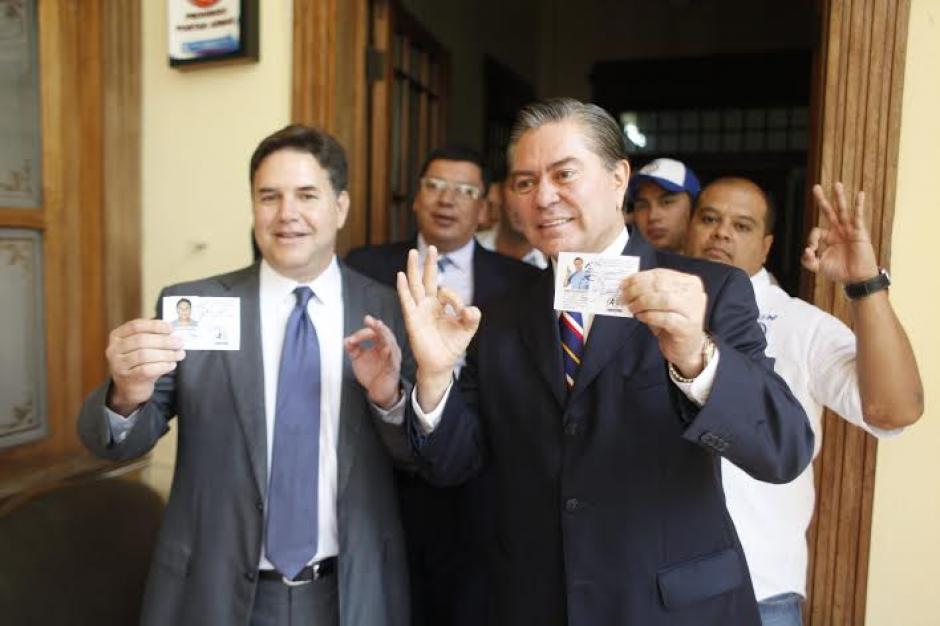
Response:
column 462, row 257
column 327, row 287
column 760, row 279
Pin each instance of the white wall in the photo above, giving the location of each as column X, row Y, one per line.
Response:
column 199, row 128
column 905, row 550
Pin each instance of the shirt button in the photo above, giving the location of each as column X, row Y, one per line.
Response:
column 571, row 430
column 259, row 505
column 251, row 575
column 572, row 504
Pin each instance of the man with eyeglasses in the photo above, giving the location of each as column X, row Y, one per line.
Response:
column 447, row 529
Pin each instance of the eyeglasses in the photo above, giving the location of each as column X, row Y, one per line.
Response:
column 465, row 191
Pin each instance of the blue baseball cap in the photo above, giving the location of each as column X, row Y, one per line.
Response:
column 669, row 174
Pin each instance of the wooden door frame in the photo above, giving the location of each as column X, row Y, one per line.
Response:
column 856, row 108
column 89, row 214
column 856, row 111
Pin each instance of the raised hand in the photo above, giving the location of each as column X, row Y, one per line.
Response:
column 672, row 304
column 376, row 361
column 843, row 252
column 139, row 352
column 439, row 326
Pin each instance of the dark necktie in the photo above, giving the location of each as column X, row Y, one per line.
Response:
column 443, row 263
column 571, row 328
column 291, row 531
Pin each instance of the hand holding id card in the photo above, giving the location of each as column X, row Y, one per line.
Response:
column 204, row 323
column 590, row 283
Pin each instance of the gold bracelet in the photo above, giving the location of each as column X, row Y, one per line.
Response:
column 708, row 351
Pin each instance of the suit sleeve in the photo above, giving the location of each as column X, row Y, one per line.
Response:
column 751, row 417
column 456, row 449
column 151, row 422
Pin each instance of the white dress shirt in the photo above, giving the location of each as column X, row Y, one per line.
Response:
column 325, row 308
column 814, row 353
column 456, row 275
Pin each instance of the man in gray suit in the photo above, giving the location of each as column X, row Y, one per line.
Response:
column 282, row 509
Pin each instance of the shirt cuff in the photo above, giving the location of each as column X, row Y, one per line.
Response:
column 394, row 415
column 700, row 388
column 119, row 425
column 427, row 422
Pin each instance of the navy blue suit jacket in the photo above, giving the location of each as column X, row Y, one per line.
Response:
column 447, row 529
column 610, row 508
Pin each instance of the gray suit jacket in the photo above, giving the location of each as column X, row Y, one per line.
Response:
column 204, row 568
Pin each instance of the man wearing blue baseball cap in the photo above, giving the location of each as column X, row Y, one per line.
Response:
column 663, row 192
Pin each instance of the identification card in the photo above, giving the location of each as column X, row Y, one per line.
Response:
column 590, row 283
column 204, row 323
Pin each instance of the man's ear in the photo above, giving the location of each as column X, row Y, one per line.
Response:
column 342, row 208
column 768, row 241
column 621, row 176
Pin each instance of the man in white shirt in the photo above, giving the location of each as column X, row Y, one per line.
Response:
column 825, row 364
column 282, row 508
column 505, row 237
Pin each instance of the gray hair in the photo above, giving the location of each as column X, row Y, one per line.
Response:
column 603, row 132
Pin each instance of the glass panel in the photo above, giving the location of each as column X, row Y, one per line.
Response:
column 414, row 64
column 733, row 142
column 690, row 121
column 798, row 140
column 733, row 119
column 800, row 116
column 20, row 167
column 395, row 143
column 754, row 140
column 646, row 122
column 398, row 47
column 668, row 121
column 711, row 120
column 778, row 118
column 688, row 142
column 22, row 368
column 668, row 143
column 711, row 142
column 777, row 140
column 755, row 118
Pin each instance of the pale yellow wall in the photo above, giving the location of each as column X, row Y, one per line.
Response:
column 199, row 129
column 905, row 551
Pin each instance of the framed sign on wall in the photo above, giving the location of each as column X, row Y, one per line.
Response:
column 207, row 31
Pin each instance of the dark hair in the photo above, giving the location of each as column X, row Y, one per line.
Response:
column 458, row 152
column 321, row 145
column 603, row 132
column 182, row 300
column 770, row 213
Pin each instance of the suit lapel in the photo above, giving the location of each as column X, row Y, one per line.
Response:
column 350, row 418
column 608, row 335
column 538, row 325
column 246, row 373
column 482, row 277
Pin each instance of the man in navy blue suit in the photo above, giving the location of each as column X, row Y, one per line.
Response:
column 445, row 528
column 609, row 506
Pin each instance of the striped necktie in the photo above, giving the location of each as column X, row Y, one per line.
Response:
column 443, row 263
column 572, row 344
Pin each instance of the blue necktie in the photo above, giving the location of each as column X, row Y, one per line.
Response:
column 571, row 328
column 291, row 531
column 443, row 263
